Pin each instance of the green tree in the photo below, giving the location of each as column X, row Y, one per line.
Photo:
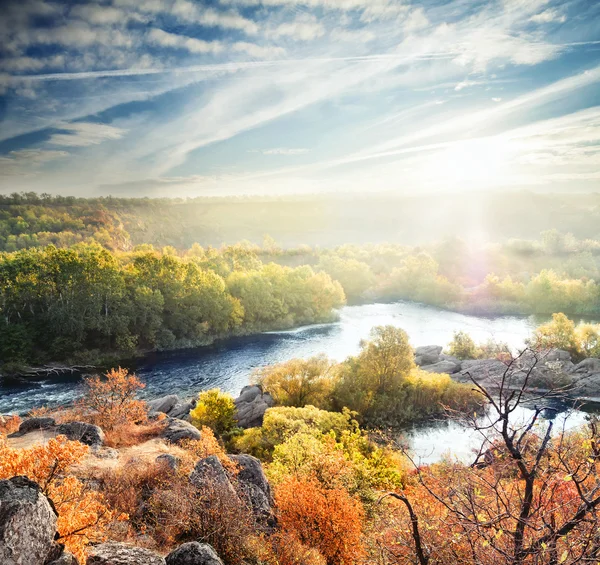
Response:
column 299, row 382
column 214, row 409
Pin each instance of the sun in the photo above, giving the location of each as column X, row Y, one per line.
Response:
column 474, row 163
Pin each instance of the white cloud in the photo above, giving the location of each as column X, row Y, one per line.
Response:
column 496, row 99
column 548, row 16
column 99, row 15
column 193, row 45
column 171, row 40
column 415, row 21
column 285, row 151
column 192, row 12
column 84, row 134
column 305, row 28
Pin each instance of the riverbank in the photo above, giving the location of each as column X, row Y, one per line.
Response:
column 229, row 363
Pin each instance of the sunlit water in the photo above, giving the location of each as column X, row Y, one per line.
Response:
column 229, row 364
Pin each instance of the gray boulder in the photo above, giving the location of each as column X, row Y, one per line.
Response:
column 177, row 430
column 163, row 404
column 434, row 350
column 254, row 486
column 80, row 431
column 444, row 357
column 34, row 424
column 591, row 365
column 483, row 371
column 587, row 386
column 27, row 523
column 193, row 553
column 182, row 410
column 172, row 406
column 251, row 406
column 427, row 354
column 65, row 559
column 168, row 460
column 209, row 473
column 448, row 367
column 250, row 471
column 122, row 554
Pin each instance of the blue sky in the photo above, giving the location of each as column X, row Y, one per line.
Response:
column 189, row 98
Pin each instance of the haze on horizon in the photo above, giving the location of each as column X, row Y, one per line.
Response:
column 221, row 97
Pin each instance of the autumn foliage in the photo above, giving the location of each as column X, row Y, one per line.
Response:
column 112, row 402
column 329, row 520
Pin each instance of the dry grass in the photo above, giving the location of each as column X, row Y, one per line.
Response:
column 127, row 435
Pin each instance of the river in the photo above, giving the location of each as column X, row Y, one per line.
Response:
column 228, row 364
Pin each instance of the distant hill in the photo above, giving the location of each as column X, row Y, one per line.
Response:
column 118, row 223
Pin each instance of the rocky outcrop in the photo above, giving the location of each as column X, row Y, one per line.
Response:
column 209, row 473
column 27, row 523
column 254, row 486
column 172, row 406
column 82, row 432
column 193, row 553
column 35, row 424
column 251, row 405
column 122, row 554
column 177, row 430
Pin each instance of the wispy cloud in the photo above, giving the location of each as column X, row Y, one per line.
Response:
column 281, row 151
column 83, row 134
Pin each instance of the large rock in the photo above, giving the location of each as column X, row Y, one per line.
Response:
column 251, row 406
column 182, row 409
column 169, row 461
column 587, row 386
column 82, row 432
column 163, row 404
column 193, row 553
column 427, row 354
column 591, row 365
column 434, row 350
column 210, row 473
column 250, row 471
column 483, row 371
column 448, row 367
column 254, row 486
column 65, row 559
column 27, row 523
column 177, row 430
column 35, row 424
column 122, row 554
column 172, row 406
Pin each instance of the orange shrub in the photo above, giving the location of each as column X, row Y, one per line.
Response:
column 112, row 401
column 329, row 520
column 9, row 424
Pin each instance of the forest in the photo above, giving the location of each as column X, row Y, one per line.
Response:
column 71, row 269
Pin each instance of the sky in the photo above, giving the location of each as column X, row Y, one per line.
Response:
column 274, row 97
